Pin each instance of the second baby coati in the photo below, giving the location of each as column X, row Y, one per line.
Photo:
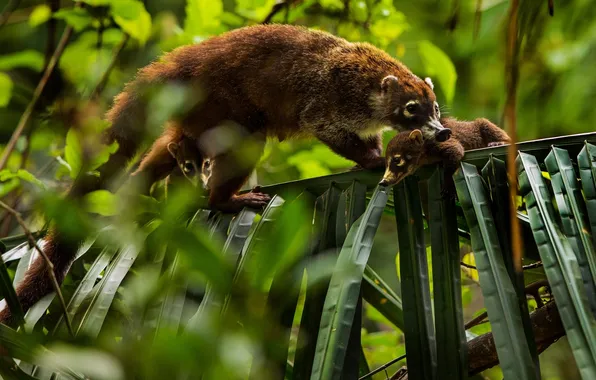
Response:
column 246, row 85
column 408, row 151
column 190, row 164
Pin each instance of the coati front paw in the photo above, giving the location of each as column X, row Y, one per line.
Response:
column 496, row 143
column 252, row 200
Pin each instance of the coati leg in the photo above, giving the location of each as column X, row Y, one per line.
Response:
column 451, row 152
column 491, row 134
column 365, row 152
column 229, row 171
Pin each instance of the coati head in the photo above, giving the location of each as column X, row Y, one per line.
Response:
column 190, row 162
column 412, row 104
column 403, row 156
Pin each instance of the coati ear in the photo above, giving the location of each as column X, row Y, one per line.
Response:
column 173, row 149
column 389, row 83
column 430, row 83
column 416, row 136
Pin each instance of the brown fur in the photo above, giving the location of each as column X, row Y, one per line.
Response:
column 407, row 151
column 247, row 85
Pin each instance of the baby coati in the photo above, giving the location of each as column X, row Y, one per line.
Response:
column 407, row 151
column 246, row 85
column 190, row 165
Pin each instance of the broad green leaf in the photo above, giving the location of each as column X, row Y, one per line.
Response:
column 387, row 23
column 91, row 362
column 40, row 14
column 31, row 59
column 133, row 18
column 78, row 18
column 6, row 86
column 101, row 202
column 359, row 10
column 19, row 346
column 97, row 3
column 438, row 64
column 203, row 18
column 23, row 174
column 73, row 152
column 254, row 9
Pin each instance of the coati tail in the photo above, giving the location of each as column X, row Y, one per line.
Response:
column 37, row 282
column 127, row 121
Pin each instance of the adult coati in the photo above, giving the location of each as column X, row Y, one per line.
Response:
column 407, row 151
column 252, row 83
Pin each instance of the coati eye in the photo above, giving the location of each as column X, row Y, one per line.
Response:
column 411, row 108
column 188, row 166
column 437, row 110
column 397, row 160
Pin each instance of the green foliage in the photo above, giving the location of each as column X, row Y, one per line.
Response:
column 6, row 86
column 437, row 63
column 41, row 14
column 138, row 286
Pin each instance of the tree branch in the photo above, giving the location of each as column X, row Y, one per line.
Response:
column 48, row 263
column 106, row 75
column 7, row 11
column 482, row 352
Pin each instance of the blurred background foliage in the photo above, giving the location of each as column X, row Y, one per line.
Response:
column 459, row 43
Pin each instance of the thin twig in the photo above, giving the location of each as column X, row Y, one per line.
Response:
column 537, row 264
column 476, row 321
column 383, row 367
column 477, row 18
column 106, row 75
column 36, row 95
column 275, row 9
column 48, row 263
column 7, row 11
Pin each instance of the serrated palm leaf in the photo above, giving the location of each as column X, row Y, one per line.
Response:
column 499, row 294
column 418, row 323
column 344, row 291
column 560, row 265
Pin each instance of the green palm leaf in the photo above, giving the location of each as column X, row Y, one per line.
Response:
column 344, row 291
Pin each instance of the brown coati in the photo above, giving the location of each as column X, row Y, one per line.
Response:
column 408, row 151
column 252, row 83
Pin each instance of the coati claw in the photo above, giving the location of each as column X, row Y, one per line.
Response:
column 496, row 143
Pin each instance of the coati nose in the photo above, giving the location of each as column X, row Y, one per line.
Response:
column 443, row 135
column 383, row 182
